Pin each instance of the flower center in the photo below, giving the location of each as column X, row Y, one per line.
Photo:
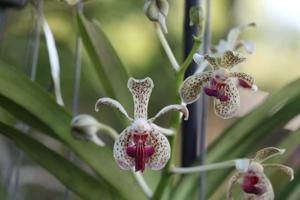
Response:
column 216, row 88
column 251, row 185
column 140, row 150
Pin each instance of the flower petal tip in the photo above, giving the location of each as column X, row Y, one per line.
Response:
column 292, row 177
column 254, row 88
column 282, row 151
column 198, row 58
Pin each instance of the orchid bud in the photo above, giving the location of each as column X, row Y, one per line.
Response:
column 85, row 127
column 196, row 16
column 157, row 11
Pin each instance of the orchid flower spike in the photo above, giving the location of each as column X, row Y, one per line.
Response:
column 220, row 83
column 143, row 143
column 255, row 184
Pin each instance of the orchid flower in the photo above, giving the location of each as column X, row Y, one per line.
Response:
column 219, row 83
column 255, row 184
column 143, row 143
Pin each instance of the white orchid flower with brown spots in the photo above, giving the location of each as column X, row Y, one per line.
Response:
column 143, row 143
column 220, row 82
column 255, row 184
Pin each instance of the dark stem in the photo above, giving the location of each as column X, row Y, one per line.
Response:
column 194, row 130
column 76, row 88
column 190, row 127
column 203, row 104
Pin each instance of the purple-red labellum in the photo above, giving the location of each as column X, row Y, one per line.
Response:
column 140, row 151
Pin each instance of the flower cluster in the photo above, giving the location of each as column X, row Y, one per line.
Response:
column 143, row 143
column 255, row 184
column 221, row 81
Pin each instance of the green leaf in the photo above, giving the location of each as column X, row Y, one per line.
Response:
column 28, row 102
column 69, row 174
column 108, row 65
column 244, row 135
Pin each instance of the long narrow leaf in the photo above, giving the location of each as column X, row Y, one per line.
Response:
column 108, row 65
column 72, row 176
column 28, row 102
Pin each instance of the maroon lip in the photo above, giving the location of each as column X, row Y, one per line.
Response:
column 140, row 151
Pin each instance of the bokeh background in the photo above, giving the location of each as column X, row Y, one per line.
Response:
column 274, row 63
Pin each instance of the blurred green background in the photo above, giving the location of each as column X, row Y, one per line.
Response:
column 274, row 63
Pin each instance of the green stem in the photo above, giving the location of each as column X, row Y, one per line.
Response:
column 143, row 184
column 166, row 47
column 189, row 58
column 202, row 168
column 109, row 131
column 166, row 174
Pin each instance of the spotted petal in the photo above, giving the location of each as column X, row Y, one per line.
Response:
column 162, row 151
column 285, row 169
column 124, row 161
column 231, row 183
column 245, row 80
column 180, row 108
column 227, row 60
column 192, row 86
column 267, row 153
column 141, row 91
column 113, row 103
column 227, row 109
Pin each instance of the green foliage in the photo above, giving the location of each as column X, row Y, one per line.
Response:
column 29, row 103
column 65, row 171
column 247, row 134
column 109, row 68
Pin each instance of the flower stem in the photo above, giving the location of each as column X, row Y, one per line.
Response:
column 189, row 58
column 203, row 168
column 109, row 131
column 204, row 105
column 166, row 47
column 166, row 174
column 143, row 184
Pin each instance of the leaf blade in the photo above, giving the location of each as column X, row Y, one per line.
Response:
column 110, row 70
column 28, row 102
column 62, row 169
